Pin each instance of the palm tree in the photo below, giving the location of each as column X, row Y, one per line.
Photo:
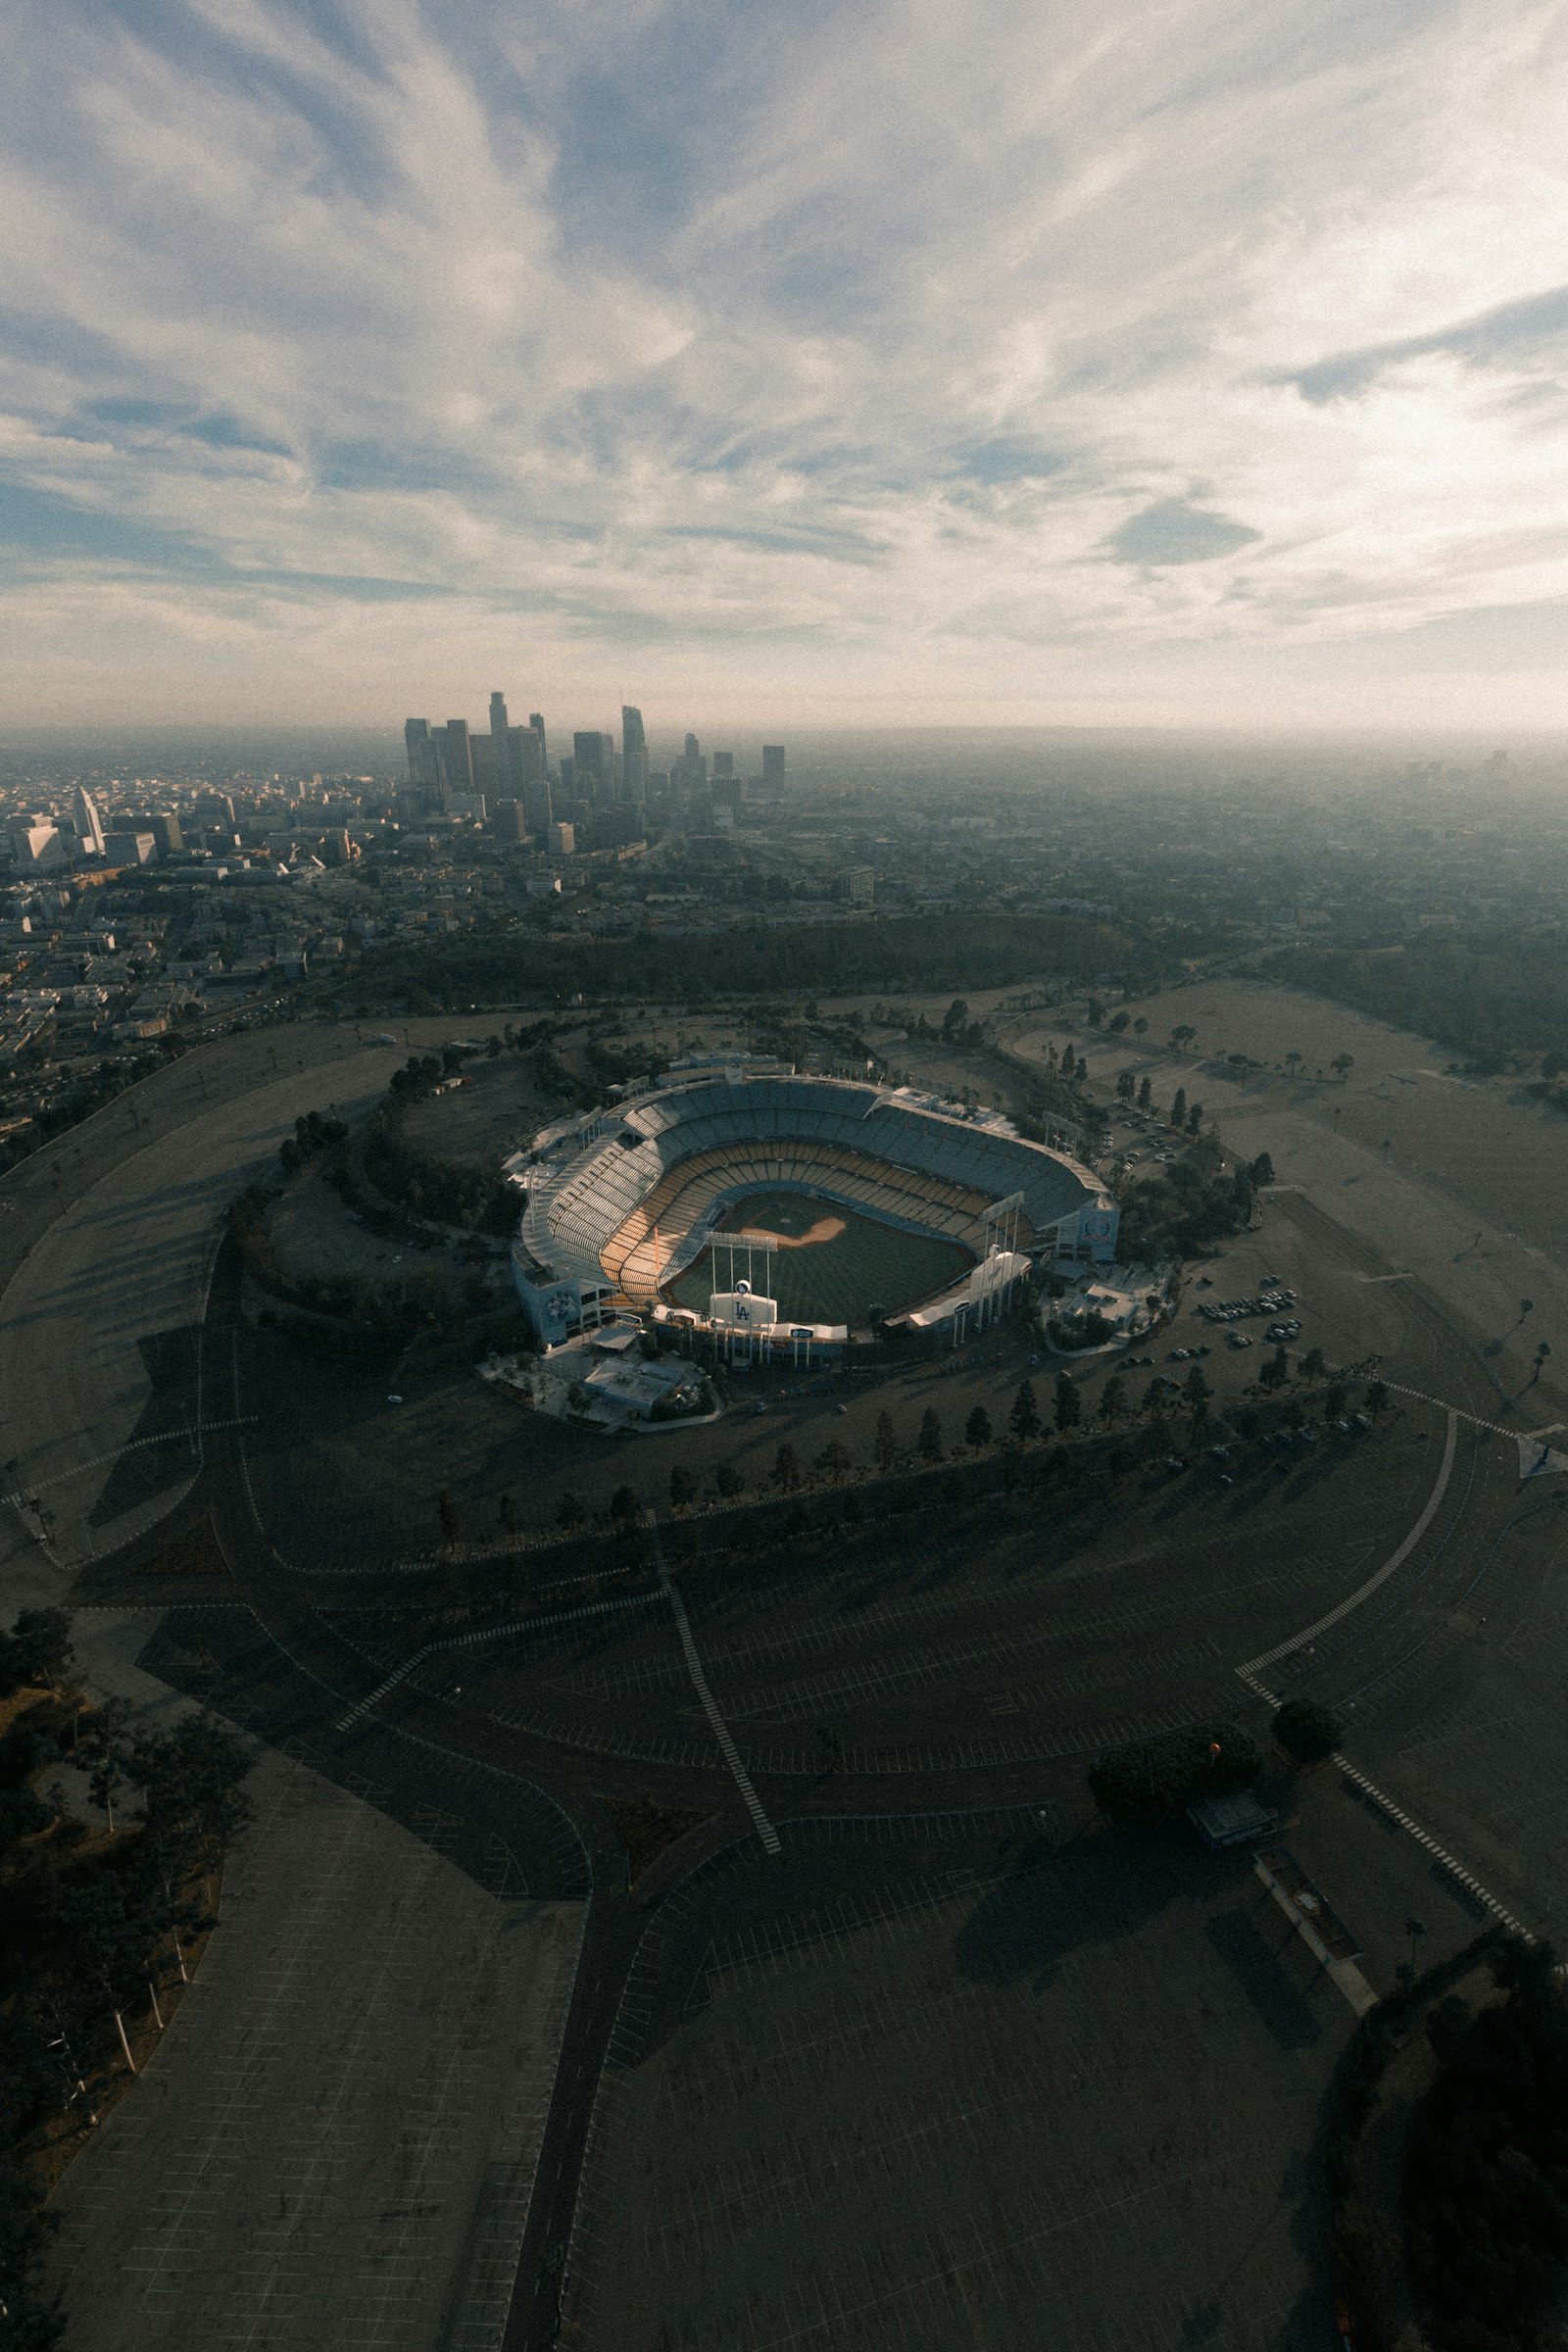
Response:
column 1292, row 1061
column 1344, row 1064
column 1543, row 1350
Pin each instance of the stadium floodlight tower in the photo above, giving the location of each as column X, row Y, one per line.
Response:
column 998, row 1273
column 740, row 1317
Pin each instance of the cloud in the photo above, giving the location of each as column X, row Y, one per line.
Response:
column 1514, row 333
column 1173, row 531
column 869, row 347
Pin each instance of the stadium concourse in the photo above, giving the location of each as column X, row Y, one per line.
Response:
column 623, row 1202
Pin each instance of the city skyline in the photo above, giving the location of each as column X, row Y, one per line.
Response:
column 1189, row 371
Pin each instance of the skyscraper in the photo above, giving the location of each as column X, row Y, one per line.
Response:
column 424, row 765
column 536, row 721
column 633, row 755
column 498, row 717
column 592, row 754
column 88, row 825
column 772, row 768
column 456, row 758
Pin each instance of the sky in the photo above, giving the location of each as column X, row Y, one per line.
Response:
column 862, row 362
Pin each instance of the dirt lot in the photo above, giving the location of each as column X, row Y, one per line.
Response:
column 494, row 1112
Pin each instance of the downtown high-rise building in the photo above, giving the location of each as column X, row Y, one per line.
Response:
column 449, row 766
column 633, row 755
column 593, row 762
column 89, row 825
column 772, row 768
column 455, row 761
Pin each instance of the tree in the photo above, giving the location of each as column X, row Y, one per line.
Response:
column 190, row 1779
column 507, row 1514
column 1024, row 1419
column 569, row 1512
column 1126, row 1086
column 1118, row 1022
column 1527, row 1306
column 956, row 1018
column 1095, row 1012
column 1543, row 1353
column 682, row 1486
column 1178, row 1108
column 1155, row 1781
column 977, row 1430
column 1376, row 1399
column 1182, row 1035
column 1140, row 1026
column 1146, row 1093
column 625, row 1507
column 1262, row 1170
column 1068, row 1405
column 1313, row 1366
column 1333, row 1402
column 885, row 1444
column 1194, row 1118
column 928, row 1444
column 728, row 1479
column 1343, row 1063
column 834, row 1459
column 1113, row 1400
column 1276, row 1371
column 39, row 1649
column 1292, row 1061
column 1197, row 1391
column 786, row 1468
column 446, row 1510
column 1305, row 1731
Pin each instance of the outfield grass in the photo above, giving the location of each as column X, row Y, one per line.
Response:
column 865, row 1264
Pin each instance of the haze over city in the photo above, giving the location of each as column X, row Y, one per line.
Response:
column 1191, row 367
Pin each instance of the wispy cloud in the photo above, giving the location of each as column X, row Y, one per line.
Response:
column 351, row 348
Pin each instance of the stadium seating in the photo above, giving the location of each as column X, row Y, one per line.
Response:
column 674, row 1159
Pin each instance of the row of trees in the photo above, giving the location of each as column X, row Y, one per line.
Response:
column 90, row 1926
column 756, row 960
column 1497, row 995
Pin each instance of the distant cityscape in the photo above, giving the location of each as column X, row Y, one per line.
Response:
column 143, row 910
column 594, row 798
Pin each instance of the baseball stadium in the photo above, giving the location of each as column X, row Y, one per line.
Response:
column 859, row 1206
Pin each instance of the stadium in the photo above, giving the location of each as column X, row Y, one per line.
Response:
column 743, row 1197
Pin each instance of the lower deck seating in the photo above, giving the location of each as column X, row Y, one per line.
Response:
column 638, row 1258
